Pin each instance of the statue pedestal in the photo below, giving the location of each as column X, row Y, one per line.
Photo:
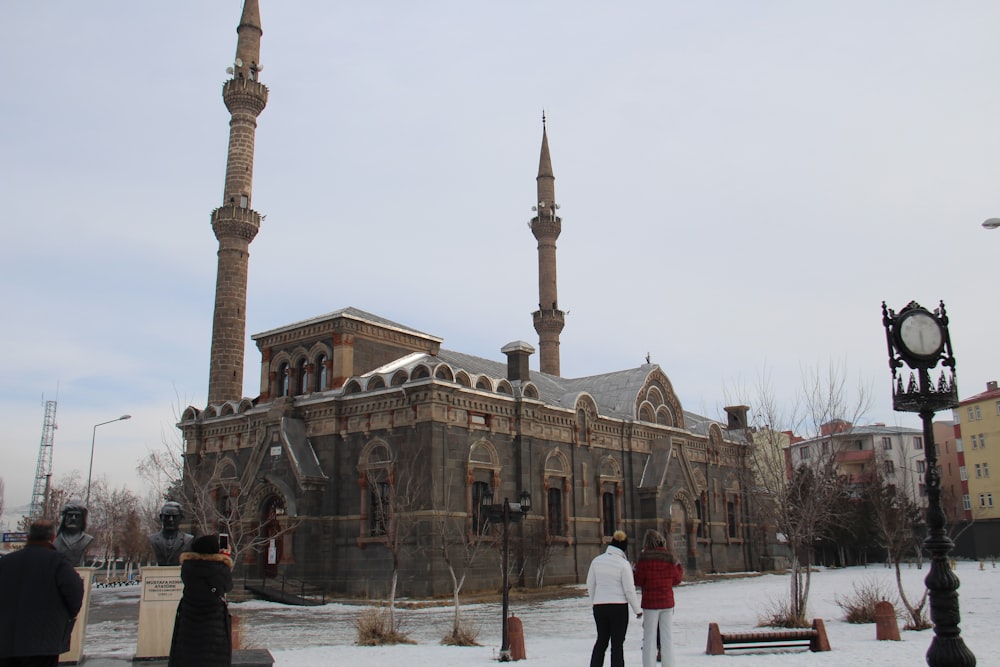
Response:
column 161, row 591
column 75, row 652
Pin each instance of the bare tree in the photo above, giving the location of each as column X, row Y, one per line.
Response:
column 800, row 497
column 396, row 493
column 115, row 521
column 459, row 541
column 896, row 518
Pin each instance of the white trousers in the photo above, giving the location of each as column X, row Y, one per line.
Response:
column 653, row 621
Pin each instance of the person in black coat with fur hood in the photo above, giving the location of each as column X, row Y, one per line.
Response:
column 202, row 628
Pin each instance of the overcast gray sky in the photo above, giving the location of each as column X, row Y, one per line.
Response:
column 742, row 183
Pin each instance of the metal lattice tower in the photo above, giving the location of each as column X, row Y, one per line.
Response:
column 44, row 471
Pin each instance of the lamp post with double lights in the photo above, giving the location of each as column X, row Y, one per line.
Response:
column 919, row 339
column 93, row 439
column 506, row 513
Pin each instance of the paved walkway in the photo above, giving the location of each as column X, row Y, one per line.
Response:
column 247, row 658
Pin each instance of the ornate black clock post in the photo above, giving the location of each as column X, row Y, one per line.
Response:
column 919, row 338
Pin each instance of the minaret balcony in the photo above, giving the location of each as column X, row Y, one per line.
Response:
column 232, row 220
column 546, row 227
column 549, row 319
column 243, row 94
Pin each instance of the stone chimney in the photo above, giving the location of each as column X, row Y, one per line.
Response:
column 991, row 385
column 517, row 360
column 737, row 417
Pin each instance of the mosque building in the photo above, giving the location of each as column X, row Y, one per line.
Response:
column 371, row 443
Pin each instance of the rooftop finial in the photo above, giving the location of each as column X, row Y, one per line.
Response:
column 543, row 119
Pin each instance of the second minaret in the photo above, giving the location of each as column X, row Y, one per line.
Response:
column 546, row 226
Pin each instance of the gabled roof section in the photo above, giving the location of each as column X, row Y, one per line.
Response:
column 350, row 313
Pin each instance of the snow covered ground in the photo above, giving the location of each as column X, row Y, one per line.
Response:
column 561, row 632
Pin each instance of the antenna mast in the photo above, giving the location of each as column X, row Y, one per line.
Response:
column 43, row 474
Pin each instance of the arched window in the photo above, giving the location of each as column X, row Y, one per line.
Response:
column 321, row 374
column 283, row 379
column 303, row 377
column 483, row 470
column 610, row 485
column 557, row 485
column 377, row 493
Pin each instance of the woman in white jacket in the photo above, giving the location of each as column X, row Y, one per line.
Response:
column 612, row 591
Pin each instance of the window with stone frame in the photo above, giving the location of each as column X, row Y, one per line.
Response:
column 380, row 497
column 555, row 520
column 481, row 495
column 376, row 475
column 557, row 485
column 282, row 379
column 302, row 376
column 699, row 508
column 609, row 518
column 731, row 519
column 483, row 478
column 610, row 485
column 321, row 373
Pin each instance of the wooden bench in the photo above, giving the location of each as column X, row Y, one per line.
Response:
column 813, row 638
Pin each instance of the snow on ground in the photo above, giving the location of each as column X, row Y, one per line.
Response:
column 561, row 632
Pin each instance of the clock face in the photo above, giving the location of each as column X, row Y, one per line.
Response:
column 921, row 334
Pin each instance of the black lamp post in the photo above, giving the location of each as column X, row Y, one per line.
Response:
column 508, row 513
column 920, row 339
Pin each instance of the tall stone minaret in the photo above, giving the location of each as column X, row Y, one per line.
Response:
column 546, row 225
column 235, row 223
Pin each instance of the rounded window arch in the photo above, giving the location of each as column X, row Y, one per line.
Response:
column 483, row 383
column 302, row 379
column 283, row 379
column 483, row 479
column 503, row 387
column 376, row 382
column 322, row 373
column 529, row 391
column 375, row 465
column 399, row 378
column 646, row 413
column 557, row 484
column 664, row 417
column 463, row 379
column 655, row 395
column 420, row 372
column 444, row 372
column 352, row 387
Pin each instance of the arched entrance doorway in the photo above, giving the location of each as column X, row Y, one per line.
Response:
column 272, row 512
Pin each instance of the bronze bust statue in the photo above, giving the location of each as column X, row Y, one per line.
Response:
column 170, row 542
column 71, row 540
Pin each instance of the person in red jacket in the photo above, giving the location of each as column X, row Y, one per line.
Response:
column 656, row 573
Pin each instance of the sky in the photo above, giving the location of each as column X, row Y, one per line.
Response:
column 561, row 632
column 741, row 186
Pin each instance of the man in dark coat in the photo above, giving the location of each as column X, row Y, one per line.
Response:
column 41, row 595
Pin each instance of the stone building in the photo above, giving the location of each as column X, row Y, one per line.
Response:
column 368, row 435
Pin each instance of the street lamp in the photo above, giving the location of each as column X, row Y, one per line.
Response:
column 93, row 438
column 920, row 339
column 991, row 223
column 508, row 513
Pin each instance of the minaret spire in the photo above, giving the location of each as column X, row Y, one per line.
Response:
column 235, row 223
column 546, row 226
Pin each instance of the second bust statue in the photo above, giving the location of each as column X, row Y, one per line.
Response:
column 170, row 542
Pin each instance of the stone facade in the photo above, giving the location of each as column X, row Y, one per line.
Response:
column 368, row 440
